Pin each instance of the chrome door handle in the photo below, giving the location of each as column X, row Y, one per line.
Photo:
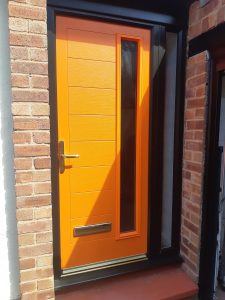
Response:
column 70, row 155
column 62, row 156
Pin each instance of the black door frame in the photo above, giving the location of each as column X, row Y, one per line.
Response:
column 210, row 209
column 158, row 24
column 214, row 42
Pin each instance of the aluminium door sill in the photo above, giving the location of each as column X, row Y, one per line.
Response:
column 103, row 265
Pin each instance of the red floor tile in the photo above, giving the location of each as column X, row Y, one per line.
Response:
column 220, row 294
column 161, row 284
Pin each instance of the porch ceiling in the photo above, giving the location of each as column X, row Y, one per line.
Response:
column 176, row 8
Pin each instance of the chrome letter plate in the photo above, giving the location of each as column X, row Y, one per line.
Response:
column 92, row 229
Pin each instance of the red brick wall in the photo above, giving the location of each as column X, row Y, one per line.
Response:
column 201, row 19
column 193, row 161
column 30, row 108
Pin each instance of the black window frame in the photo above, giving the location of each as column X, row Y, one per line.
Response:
column 159, row 24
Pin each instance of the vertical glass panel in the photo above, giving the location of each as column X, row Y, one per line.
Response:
column 129, row 50
column 168, row 151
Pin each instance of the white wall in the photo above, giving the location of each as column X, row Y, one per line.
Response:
column 9, row 267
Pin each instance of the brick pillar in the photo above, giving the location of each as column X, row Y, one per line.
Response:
column 202, row 19
column 30, row 109
column 193, row 162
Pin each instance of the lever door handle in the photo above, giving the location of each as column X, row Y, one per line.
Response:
column 62, row 156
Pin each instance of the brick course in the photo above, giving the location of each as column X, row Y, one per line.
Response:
column 193, row 162
column 30, row 109
column 202, row 19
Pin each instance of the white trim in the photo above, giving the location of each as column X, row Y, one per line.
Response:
column 9, row 266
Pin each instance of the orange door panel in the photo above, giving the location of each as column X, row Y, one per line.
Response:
column 94, row 101
column 89, row 63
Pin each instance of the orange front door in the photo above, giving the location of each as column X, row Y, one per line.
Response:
column 103, row 117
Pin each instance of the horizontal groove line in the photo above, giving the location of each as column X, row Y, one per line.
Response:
column 94, row 191
column 103, row 115
column 94, row 141
column 84, row 168
column 96, row 88
column 72, row 193
column 92, row 167
column 73, row 219
column 91, row 31
column 72, row 141
column 91, row 59
column 92, row 87
column 94, row 240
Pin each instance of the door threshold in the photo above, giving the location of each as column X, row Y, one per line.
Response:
column 169, row 283
column 103, row 265
column 143, row 263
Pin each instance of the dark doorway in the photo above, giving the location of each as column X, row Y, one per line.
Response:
column 219, row 281
column 212, row 246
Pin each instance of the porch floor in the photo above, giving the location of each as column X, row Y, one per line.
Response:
column 169, row 283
